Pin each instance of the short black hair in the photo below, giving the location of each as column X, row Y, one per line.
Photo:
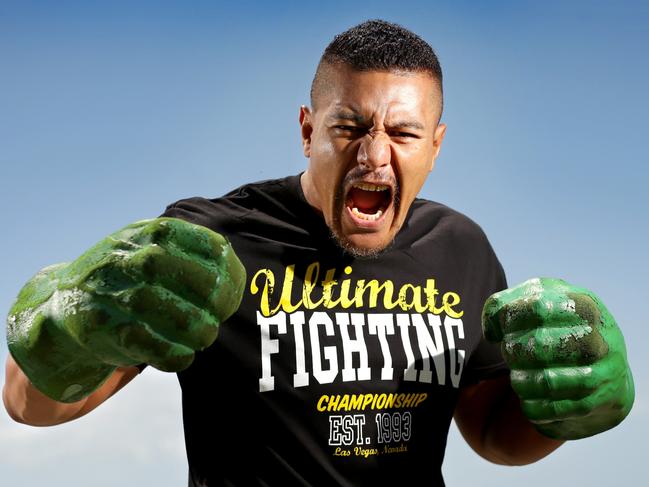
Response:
column 377, row 45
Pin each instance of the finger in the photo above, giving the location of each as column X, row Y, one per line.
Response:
column 171, row 316
column 200, row 246
column 184, row 276
column 92, row 323
column 493, row 318
column 553, row 346
column 215, row 253
column 193, row 279
column 53, row 360
column 540, row 411
column 604, row 398
column 195, row 239
column 150, row 347
column 556, row 383
column 587, row 306
column 537, row 302
column 562, row 429
column 227, row 294
column 116, row 337
column 120, row 300
column 177, row 234
column 504, row 312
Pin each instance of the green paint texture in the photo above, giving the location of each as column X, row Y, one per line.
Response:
column 566, row 354
column 154, row 292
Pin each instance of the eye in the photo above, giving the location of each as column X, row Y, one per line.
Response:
column 349, row 130
column 406, row 135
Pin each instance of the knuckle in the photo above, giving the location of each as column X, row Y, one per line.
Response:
column 514, row 350
column 88, row 323
column 527, row 383
column 532, row 287
column 552, row 284
column 493, row 318
column 570, row 408
column 524, row 311
column 585, row 344
column 100, row 330
column 109, row 277
column 206, row 337
column 606, row 375
column 138, row 298
column 135, row 337
column 154, row 231
column 491, row 307
column 586, row 308
column 541, row 304
column 157, row 231
column 147, row 259
column 518, row 376
column 217, row 240
column 520, row 350
column 535, row 409
column 561, row 383
column 174, row 363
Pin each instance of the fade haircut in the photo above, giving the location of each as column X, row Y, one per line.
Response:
column 377, row 45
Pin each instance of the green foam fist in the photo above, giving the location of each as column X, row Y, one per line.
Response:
column 153, row 292
column 566, row 354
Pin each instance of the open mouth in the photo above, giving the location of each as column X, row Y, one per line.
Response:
column 368, row 201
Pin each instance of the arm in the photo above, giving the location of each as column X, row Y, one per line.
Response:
column 26, row 404
column 154, row 292
column 566, row 355
column 489, row 416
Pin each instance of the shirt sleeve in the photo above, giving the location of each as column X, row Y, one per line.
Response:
column 486, row 361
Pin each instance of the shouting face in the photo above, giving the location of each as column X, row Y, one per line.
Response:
column 371, row 139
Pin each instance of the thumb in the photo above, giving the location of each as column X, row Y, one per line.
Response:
column 492, row 318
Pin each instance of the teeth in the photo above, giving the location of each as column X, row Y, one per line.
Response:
column 371, row 187
column 365, row 216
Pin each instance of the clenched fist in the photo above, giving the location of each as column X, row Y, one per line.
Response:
column 566, row 354
column 154, row 292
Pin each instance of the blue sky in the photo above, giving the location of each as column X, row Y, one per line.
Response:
column 110, row 110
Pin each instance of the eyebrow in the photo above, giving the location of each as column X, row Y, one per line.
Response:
column 407, row 124
column 347, row 115
column 359, row 119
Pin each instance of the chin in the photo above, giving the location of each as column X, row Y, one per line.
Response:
column 362, row 246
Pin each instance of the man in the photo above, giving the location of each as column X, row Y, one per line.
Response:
column 353, row 335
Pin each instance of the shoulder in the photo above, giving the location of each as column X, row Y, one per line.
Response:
column 436, row 220
column 223, row 212
column 434, row 229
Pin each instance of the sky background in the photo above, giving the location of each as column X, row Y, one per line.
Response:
column 111, row 110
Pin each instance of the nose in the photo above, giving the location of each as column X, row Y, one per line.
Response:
column 374, row 151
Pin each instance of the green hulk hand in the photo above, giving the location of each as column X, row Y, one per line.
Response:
column 566, row 354
column 154, row 292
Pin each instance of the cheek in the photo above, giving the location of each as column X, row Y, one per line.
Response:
column 322, row 146
column 412, row 178
column 416, row 166
column 329, row 161
column 325, row 168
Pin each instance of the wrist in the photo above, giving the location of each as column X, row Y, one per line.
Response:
column 56, row 365
column 53, row 361
column 28, row 405
column 512, row 438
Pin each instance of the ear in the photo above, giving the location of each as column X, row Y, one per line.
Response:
column 306, row 129
column 438, row 137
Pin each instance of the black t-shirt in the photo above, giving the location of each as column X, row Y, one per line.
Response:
column 336, row 370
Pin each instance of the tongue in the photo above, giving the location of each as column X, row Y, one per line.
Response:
column 366, row 201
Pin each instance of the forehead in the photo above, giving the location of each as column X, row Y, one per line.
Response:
column 381, row 92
